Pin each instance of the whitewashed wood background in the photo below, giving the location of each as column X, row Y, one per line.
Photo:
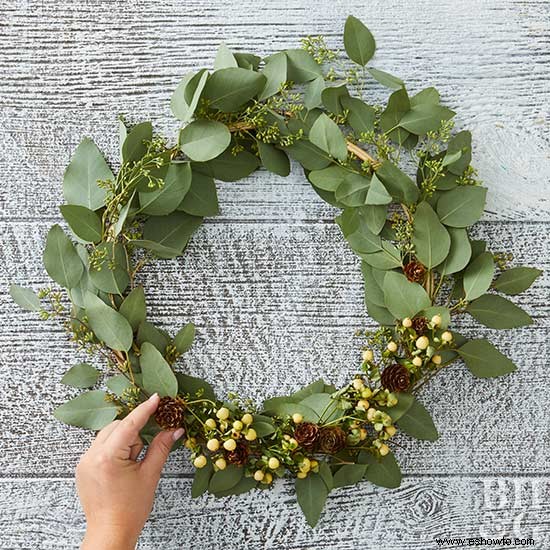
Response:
column 274, row 292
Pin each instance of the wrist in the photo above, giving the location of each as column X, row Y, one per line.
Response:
column 108, row 538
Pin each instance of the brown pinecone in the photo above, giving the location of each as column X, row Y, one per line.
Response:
column 332, row 439
column 420, row 324
column 395, row 378
column 239, row 456
column 169, row 415
column 306, row 434
column 414, row 271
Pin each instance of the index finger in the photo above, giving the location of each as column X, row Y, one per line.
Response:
column 125, row 434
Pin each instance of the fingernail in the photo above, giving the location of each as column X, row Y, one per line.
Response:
column 153, row 397
column 178, row 433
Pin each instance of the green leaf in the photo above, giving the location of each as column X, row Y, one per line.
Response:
column 442, row 311
column 301, row 66
column 90, row 410
column 353, row 190
column 398, row 105
column 329, row 178
column 184, row 338
column 165, row 200
column 404, row 298
column 108, row 325
column 378, row 313
column 358, row 41
column 418, row 423
column 404, row 403
column 247, row 60
column 187, row 95
column 308, row 155
column 318, row 386
column 158, row 376
column 203, row 140
column 484, row 360
column 195, row 386
column 123, row 215
column 460, row 144
column 324, row 406
column 81, row 376
column 361, row 116
column 245, row 484
column 87, row 166
column 387, row 258
column 224, row 58
column 172, row 231
column 159, row 250
column 85, row 223
column 133, row 307
column 118, row 384
column 427, row 95
column 494, row 311
column 384, row 471
column 462, row 206
column 313, row 92
column 274, row 159
column 147, row 332
column 202, row 197
column 373, row 290
column 223, row 480
column 135, row 144
column 311, row 493
column 263, row 425
column 326, row 135
column 430, row 239
column 424, row 118
column 25, row 298
column 478, row 276
column 349, row 474
column 275, row 74
column 332, row 98
column 229, row 89
column 460, row 252
column 377, row 193
column 110, row 274
column 61, row 260
column 400, row 186
column 364, row 242
column 229, row 167
column 386, row 79
column 201, row 480
column 516, row 280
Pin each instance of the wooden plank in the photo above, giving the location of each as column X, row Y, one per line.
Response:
column 276, row 307
column 45, row 513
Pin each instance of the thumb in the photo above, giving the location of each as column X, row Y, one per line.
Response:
column 158, row 451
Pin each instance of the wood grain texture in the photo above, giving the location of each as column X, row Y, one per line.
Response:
column 273, row 290
column 409, row 518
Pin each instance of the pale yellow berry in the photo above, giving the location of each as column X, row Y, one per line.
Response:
column 213, row 445
column 368, row 355
column 392, row 347
column 366, row 393
column 250, row 435
column 247, row 419
column 230, row 445
column 384, row 449
column 238, row 425
column 436, row 359
column 436, row 320
column 190, row 443
column 268, row 478
column 447, row 336
column 297, row 418
column 314, row 464
column 371, row 413
column 305, row 465
column 273, row 463
column 301, row 475
column 210, row 424
column 391, row 430
column 417, row 362
column 223, row 413
column 200, row 461
column 423, row 342
column 407, row 322
column 221, row 464
column 362, row 405
column 358, row 384
column 258, row 475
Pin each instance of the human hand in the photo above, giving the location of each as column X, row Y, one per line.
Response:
column 117, row 491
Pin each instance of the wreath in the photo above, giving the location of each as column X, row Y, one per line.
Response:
column 419, row 265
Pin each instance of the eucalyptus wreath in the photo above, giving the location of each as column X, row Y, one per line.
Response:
column 406, row 194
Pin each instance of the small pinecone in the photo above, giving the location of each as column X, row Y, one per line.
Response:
column 306, row 434
column 239, row 456
column 395, row 378
column 169, row 415
column 332, row 439
column 414, row 271
column 420, row 324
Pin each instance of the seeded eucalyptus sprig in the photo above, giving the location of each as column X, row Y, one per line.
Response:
column 410, row 230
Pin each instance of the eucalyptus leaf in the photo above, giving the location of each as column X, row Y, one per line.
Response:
column 386, row 79
column 203, row 140
column 133, row 307
column 274, row 159
column 308, row 155
column 135, row 144
column 430, row 238
column 202, row 480
column 361, row 116
column 110, row 273
column 377, row 193
column 427, row 95
column 184, row 338
column 332, row 98
column 224, row 58
column 158, row 376
column 349, row 474
column 201, row 198
column 89, row 410
column 263, row 425
column 404, row 298
column 378, row 313
column 172, row 231
column 229, row 167
column 195, row 386
column 313, row 93
column 400, row 186
column 228, row 89
column 478, row 276
column 86, row 168
column 353, row 190
column 516, row 280
column 424, row 118
column 484, row 360
column 460, row 252
column 147, row 332
column 275, row 73
column 384, row 471
column 461, row 207
column 494, row 311
column 61, row 260
column 25, row 298
column 312, row 494
column 82, row 375
column 418, row 423
column 326, row 135
column 388, row 257
column 358, row 41
column 398, row 106
column 223, row 480
column 85, row 223
column 301, row 66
